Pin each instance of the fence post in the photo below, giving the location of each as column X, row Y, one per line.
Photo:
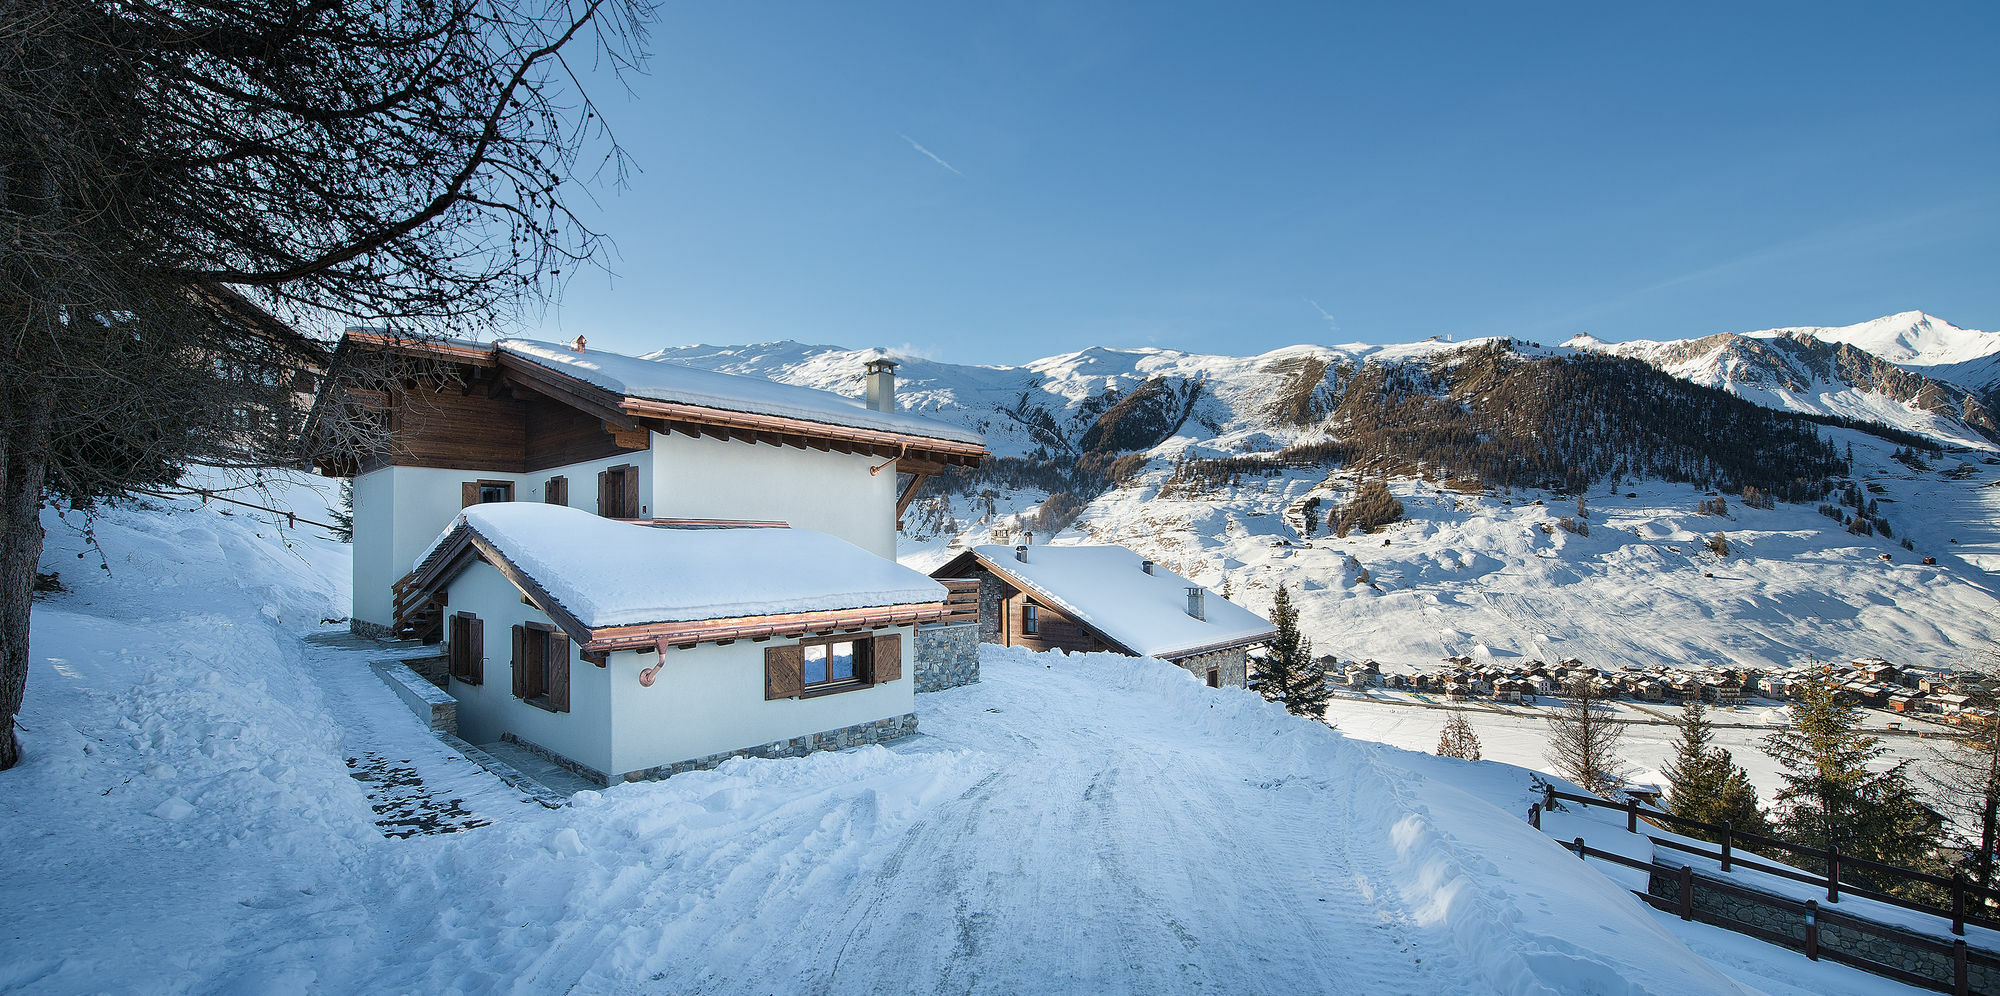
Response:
column 1832, row 875
column 1580, row 856
column 1548, row 796
column 1535, row 815
column 1961, row 982
column 1687, row 893
column 1725, row 845
column 1812, row 929
column 1958, row 902
column 1631, row 815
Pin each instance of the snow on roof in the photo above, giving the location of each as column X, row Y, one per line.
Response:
column 1104, row 587
column 611, row 573
column 665, row 380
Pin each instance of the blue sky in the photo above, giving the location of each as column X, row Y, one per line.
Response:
column 996, row 182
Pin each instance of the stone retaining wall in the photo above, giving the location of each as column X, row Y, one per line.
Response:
column 1904, row 949
column 1231, row 663
column 878, row 731
column 437, row 709
column 947, row 656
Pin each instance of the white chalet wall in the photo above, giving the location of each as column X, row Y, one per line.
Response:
column 710, row 699
column 723, row 479
column 487, row 710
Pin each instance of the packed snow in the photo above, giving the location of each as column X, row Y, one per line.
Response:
column 185, row 819
column 1107, row 588
column 612, row 573
column 664, row 380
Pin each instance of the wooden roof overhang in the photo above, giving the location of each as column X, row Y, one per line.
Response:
column 465, row 545
column 964, row 560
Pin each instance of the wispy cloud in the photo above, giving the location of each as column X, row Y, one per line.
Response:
column 934, row 156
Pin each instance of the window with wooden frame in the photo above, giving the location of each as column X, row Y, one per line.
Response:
column 618, row 492
column 481, row 492
column 556, row 491
column 465, row 652
column 1031, row 618
column 541, row 666
column 825, row 665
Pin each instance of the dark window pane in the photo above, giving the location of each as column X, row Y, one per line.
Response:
column 815, row 665
column 842, row 662
column 496, row 492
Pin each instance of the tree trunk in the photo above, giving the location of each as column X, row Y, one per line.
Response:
column 21, row 482
column 1983, row 864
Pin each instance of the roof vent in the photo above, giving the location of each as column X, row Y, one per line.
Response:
column 1197, row 603
column 1021, row 554
column 1028, row 537
column 1146, row 566
column 881, row 380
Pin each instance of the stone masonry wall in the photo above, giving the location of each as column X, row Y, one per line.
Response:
column 878, row 731
column 947, row 656
column 1911, row 955
column 1230, row 662
column 992, row 599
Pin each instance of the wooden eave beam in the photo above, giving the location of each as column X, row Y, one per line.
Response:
column 759, row 627
column 478, row 356
column 909, row 494
column 586, row 398
column 876, row 441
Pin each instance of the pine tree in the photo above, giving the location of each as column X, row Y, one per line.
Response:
column 1458, row 738
column 1289, row 674
column 1583, row 740
column 1831, row 800
column 1704, row 782
column 343, row 513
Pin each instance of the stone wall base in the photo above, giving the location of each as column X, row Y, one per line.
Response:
column 582, row 771
column 368, row 630
column 947, row 656
column 1230, row 664
column 878, row 731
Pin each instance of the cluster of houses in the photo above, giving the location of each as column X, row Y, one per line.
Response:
column 634, row 568
column 1871, row 682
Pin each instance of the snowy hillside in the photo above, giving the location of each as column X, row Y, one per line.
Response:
column 185, row 819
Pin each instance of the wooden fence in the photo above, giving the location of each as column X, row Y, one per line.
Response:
column 1958, row 959
column 1964, row 895
column 961, row 602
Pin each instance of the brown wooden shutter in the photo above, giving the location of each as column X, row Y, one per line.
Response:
column 559, row 671
column 469, row 491
column 631, row 492
column 520, row 662
column 475, row 648
column 604, row 492
column 556, row 491
column 784, row 672
column 888, row 657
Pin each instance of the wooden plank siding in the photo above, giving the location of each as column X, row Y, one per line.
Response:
column 475, row 431
column 1055, row 631
column 558, row 435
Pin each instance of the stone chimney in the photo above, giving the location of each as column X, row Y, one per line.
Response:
column 1028, row 537
column 1146, row 566
column 576, row 345
column 1198, row 603
column 1021, row 554
column 881, row 379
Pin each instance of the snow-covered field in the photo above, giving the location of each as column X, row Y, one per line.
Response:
column 186, row 820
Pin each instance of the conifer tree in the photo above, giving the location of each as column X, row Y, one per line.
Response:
column 1289, row 674
column 1831, row 800
column 1703, row 780
column 1458, row 738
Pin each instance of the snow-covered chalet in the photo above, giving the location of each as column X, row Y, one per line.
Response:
column 636, row 567
column 1108, row 598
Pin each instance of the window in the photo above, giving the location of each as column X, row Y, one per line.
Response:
column 1031, row 621
column 618, row 492
column 1215, row 677
column 481, row 492
column 832, row 664
column 541, row 666
column 466, row 654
